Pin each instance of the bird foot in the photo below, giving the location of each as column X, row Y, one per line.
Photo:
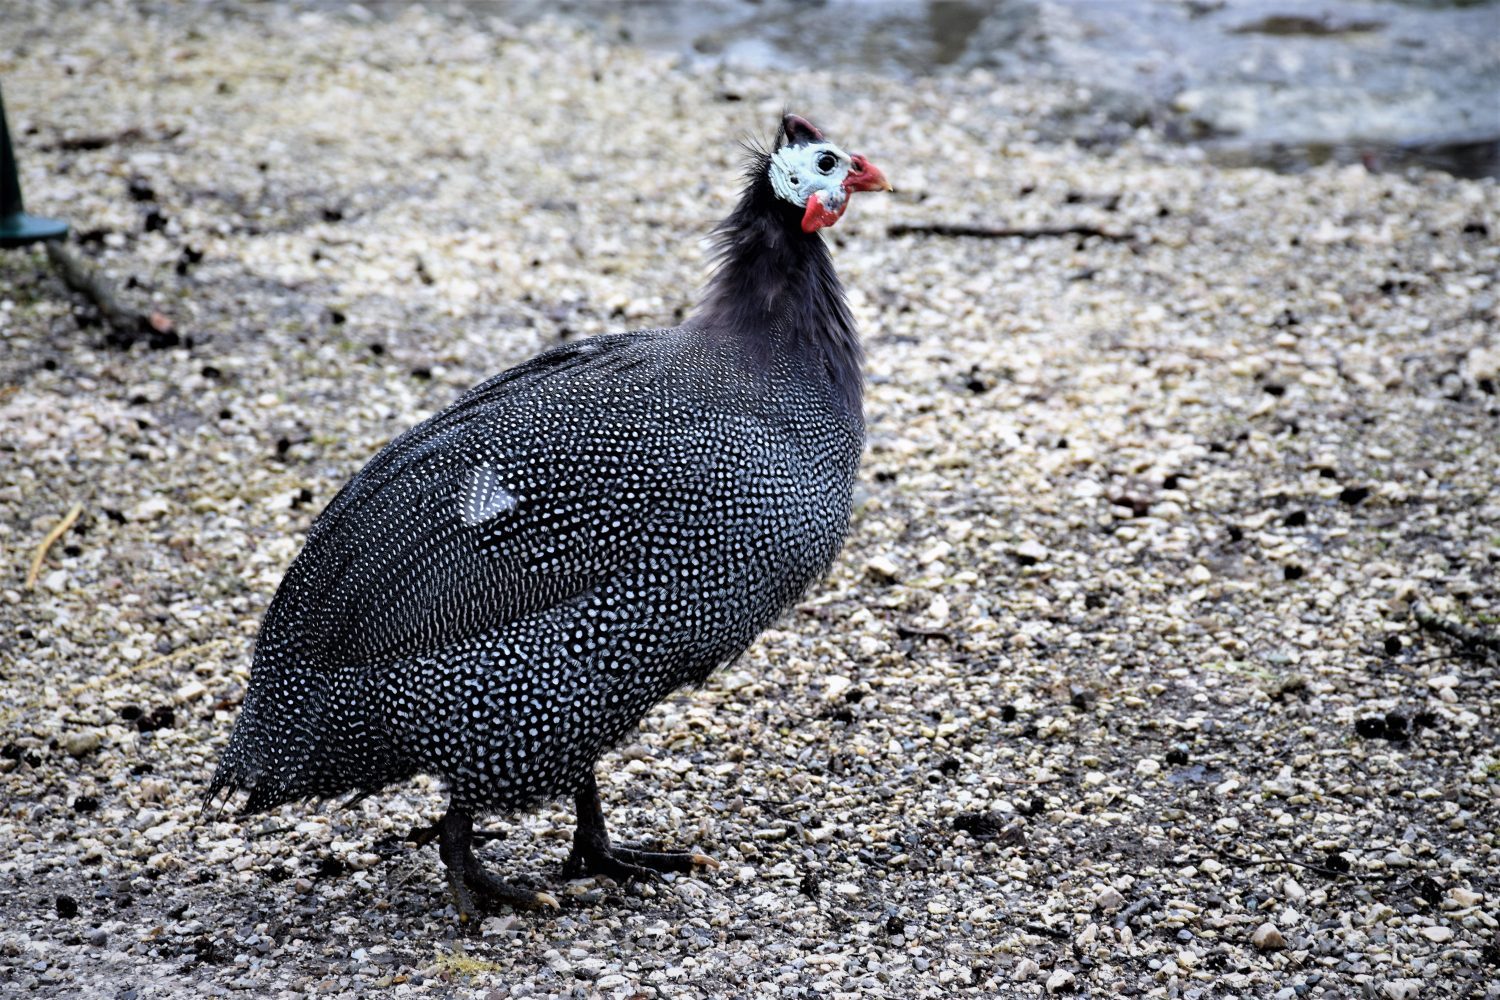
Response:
column 627, row 864
column 470, row 884
column 476, row 890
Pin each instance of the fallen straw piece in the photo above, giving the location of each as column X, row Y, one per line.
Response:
column 40, row 555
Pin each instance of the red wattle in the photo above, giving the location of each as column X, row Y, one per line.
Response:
column 817, row 215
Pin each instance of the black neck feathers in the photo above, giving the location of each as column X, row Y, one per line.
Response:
column 774, row 290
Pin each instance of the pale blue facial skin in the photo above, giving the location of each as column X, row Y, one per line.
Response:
column 797, row 174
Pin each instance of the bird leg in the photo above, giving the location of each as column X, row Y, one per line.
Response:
column 467, row 877
column 421, row 836
column 593, row 854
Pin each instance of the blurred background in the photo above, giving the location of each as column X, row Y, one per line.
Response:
column 1280, row 83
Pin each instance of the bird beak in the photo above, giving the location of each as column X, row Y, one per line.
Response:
column 865, row 176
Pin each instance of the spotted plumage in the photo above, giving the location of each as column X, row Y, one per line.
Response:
column 503, row 591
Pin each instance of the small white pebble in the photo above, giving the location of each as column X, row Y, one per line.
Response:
column 736, row 680
column 935, row 552
column 1402, row 989
column 191, row 691
column 161, row 831
column 834, row 687
column 82, row 743
column 149, row 509
column 1031, row 551
column 1464, row 898
column 1267, row 937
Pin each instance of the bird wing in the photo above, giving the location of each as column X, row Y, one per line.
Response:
column 531, row 489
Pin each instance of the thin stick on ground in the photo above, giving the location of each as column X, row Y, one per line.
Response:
column 40, row 555
column 144, row 665
column 1281, row 859
column 92, row 285
column 1140, row 906
column 1471, row 638
column 1002, row 232
column 98, row 289
column 916, row 632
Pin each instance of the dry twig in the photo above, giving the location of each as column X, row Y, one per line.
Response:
column 1471, row 638
column 1281, row 859
column 98, row 290
column 1002, row 232
column 1140, row 906
column 917, row 632
column 92, row 285
column 101, row 140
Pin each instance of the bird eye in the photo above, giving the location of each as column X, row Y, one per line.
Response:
column 827, row 162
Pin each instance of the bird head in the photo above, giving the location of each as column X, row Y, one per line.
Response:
column 811, row 173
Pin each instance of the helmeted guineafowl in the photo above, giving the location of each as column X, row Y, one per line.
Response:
column 503, row 592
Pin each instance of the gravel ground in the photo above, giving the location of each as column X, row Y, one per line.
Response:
column 1116, row 690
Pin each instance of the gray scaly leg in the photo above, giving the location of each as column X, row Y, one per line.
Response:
column 593, row 854
column 467, row 878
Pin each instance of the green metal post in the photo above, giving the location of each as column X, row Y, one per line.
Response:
column 17, row 229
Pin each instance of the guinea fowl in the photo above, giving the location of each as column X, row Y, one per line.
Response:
column 503, row 592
